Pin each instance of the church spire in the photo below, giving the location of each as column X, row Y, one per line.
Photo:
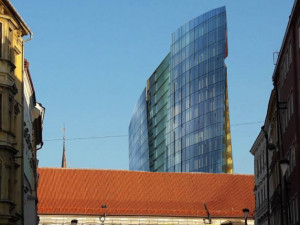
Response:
column 64, row 160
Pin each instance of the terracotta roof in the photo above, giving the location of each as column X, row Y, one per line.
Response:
column 83, row 191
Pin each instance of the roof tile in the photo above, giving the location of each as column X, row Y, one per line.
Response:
column 83, row 191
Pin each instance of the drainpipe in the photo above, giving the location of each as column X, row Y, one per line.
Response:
column 40, row 146
column 26, row 40
column 279, row 145
column 267, row 162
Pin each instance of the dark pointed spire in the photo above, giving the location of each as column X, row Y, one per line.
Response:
column 64, row 160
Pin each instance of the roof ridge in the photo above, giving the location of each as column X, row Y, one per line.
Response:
column 133, row 171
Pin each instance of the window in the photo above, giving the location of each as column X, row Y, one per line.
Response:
column 294, row 209
column 9, row 188
column 0, row 109
column 285, row 64
column 299, row 36
column 290, row 54
column 283, row 119
column 10, row 48
column 257, row 171
column 283, row 70
column 1, row 178
column 287, row 61
column 291, row 105
column 289, row 170
column 260, row 164
column 281, row 77
column 0, row 40
column 263, row 161
column 292, row 158
column 264, row 193
column 10, row 113
column 290, row 108
column 286, row 120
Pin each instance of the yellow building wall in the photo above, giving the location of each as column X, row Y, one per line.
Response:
column 11, row 111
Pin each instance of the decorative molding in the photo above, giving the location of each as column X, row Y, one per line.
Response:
column 2, row 11
column 8, row 147
column 9, row 63
column 6, row 80
column 18, row 33
column 14, row 89
column 17, row 50
column 17, row 109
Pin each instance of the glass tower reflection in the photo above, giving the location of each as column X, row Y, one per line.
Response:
column 197, row 131
column 147, row 129
column 138, row 136
column 197, row 134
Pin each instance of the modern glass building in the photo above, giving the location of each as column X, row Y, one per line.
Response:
column 147, row 129
column 138, row 138
column 191, row 86
column 157, row 99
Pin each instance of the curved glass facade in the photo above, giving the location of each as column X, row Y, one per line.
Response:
column 147, row 129
column 138, row 136
column 196, row 137
column 157, row 98
column 187, row 104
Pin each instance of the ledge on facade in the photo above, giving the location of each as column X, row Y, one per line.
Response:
column 9, row 133
column 262, row 209
column 17, row 165
column 9, row 148
column 11, row 64
column 11, row 204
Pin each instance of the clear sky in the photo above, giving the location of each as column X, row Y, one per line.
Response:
column 90, row 60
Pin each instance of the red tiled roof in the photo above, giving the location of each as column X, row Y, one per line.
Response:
column 83, row 191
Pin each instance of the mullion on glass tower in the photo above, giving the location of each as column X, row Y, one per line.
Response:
column 196, row 137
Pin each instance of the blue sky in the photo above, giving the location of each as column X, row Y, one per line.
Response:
column 90, row 60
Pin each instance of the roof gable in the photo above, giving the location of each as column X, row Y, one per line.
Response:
column 6, row 8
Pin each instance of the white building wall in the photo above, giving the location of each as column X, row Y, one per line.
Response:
column 143, row 220
column 30, row 210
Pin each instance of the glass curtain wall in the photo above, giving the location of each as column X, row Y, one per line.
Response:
column 138, row 136
column 198, row 119
column 157, row 99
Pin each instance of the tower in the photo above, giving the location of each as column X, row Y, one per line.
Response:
column 181, row 121
column 198, row 136
column 64, row 160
